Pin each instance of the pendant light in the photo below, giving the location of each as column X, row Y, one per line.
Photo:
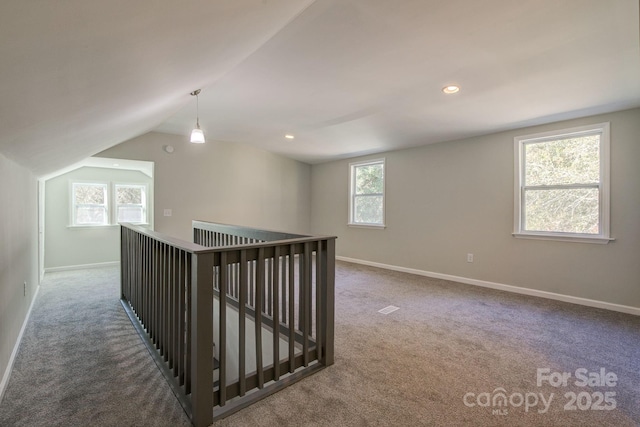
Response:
column 197, row 135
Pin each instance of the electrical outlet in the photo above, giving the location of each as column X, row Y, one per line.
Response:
column 167, row 212
column 469, row 257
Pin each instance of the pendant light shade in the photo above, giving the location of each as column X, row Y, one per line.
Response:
column 197, row 135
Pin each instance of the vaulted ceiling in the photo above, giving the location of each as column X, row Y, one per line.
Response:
column 346, row 77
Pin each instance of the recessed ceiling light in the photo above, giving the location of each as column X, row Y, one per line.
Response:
column 451, row 89
column 116, row 164
column 289, row 136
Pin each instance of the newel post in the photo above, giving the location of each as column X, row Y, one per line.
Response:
column 328, row 300
column 202, row 339
column 123, row 260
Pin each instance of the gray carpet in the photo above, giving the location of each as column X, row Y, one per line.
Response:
column 414, row 366
column 411, row 367
column 81, row 363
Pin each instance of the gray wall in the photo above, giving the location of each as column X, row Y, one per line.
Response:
column 446, row 200
column 18, row 252
column 222, row 182
column 70, row 246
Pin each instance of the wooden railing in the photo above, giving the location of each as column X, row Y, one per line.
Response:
column 235, row 316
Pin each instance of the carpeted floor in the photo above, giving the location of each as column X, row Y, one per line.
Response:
column 81, row 363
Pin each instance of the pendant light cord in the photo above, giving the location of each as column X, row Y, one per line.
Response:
column 196, row 93
column 197, row 111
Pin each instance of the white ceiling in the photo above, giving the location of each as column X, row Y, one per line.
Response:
column 346, row 77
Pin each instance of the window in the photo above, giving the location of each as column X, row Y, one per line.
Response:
column 131, row 205
column 90, row 204
column 103, row 204
column 562, row 185
column 366, row 202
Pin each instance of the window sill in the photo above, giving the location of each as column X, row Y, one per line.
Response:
column 141, row 224
column 92, row 226
column 564, row 238
column 377, row 226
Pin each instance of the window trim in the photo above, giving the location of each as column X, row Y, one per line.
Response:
column 110, row 203
column 73, row 205
column 352, row 195
column 604, row 185
column 145, row 205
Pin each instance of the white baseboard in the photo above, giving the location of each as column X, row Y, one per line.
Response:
column 82, row 266
column 500, row 286
column 7, row 372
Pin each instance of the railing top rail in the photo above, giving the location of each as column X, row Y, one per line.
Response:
column 250, row 232
column 270, row 244
column 178, row 243
column 198, row 249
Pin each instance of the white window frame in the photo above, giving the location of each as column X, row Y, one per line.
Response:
column 352, row 196
column 110, row 202
column 603, row 184
column 74, row 205
column 145, row 201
